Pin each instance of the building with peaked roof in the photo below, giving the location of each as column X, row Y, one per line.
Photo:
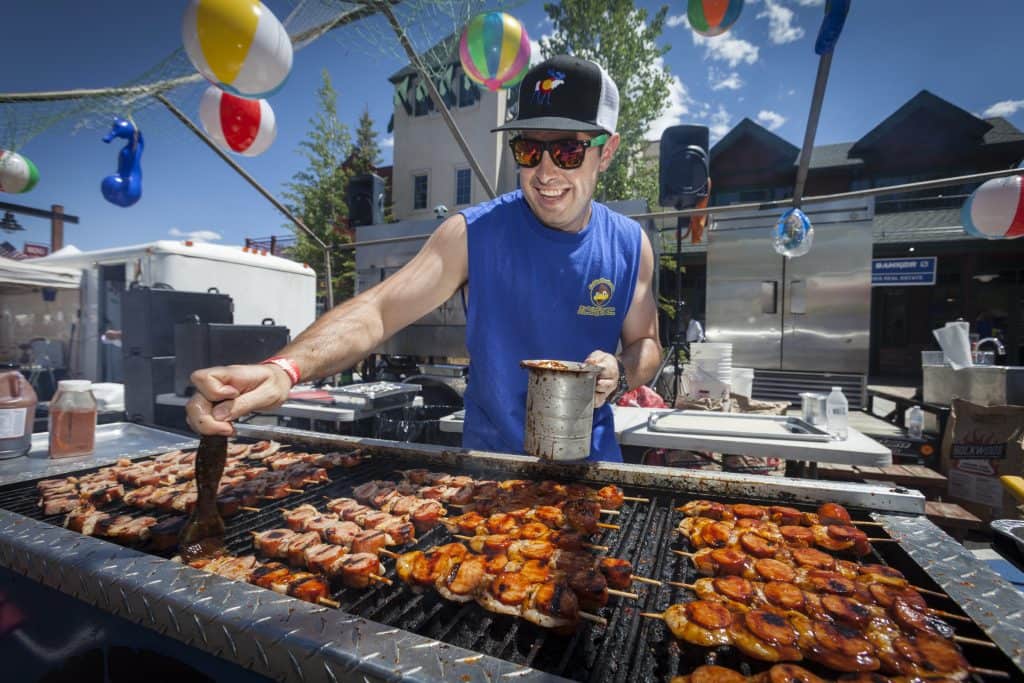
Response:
column 428, row 167
column 978, row 280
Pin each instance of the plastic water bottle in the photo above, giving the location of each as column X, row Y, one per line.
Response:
column 837, row 410
column 914, row 419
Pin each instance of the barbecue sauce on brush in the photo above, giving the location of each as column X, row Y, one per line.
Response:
column 203, row 534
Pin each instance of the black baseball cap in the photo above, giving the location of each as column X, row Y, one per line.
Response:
column 566, row 93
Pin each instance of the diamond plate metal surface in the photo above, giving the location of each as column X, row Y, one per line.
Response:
column 274, row 635
column 994, row 604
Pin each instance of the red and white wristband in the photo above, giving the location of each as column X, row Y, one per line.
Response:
column 286, row 364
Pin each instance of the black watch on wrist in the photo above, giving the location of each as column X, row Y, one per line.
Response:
column 623, row 384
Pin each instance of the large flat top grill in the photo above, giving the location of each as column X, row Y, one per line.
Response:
column 630, row 647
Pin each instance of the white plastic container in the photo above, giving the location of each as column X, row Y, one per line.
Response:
column 914, row 419
column 743, row 381
column 837, row 410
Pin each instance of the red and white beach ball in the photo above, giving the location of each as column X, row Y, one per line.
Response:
column 237, row 124
column 996, row 209
column 17, row 174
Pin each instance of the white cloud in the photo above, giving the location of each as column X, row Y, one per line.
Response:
column 780, row 23
column 678, row 107
column 720, row 81
column 723, row 48
column 719, row 124
column 535, row 56
column 387, row 142
column 1004, row 108
column 196, row 235
column 770, row 119
column 810, row 3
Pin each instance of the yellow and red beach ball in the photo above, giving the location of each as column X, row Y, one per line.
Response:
column 238, row 45
column 238, row 125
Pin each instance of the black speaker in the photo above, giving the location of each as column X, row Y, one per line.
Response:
column 365, row 199
column 683, row 166
column 148, row 317
column 203, row 345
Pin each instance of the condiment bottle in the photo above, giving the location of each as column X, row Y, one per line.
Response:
column 72, row 419
column 17, row 411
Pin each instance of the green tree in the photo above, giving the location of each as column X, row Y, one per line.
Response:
column 316, row 194
column 366, row 151
column 618, row 35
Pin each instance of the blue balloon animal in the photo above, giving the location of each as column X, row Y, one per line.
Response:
column 125, row 187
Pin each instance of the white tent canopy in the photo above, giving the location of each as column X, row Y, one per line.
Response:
column 28, row 275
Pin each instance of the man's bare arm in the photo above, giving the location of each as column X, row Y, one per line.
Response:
column 350, row 331
column 340, row 338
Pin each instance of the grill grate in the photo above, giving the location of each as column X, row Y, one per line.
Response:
column 630, row 647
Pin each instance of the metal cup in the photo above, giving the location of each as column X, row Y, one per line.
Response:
column 559, row 409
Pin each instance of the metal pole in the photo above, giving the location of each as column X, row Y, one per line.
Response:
column 818, row 199
column 259, row 188
column 824, row 64
column 436, row 97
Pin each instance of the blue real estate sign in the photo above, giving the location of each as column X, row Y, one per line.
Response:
column 892, row 272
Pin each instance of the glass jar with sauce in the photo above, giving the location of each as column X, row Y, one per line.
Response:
column 17, row 411
column 72, row 419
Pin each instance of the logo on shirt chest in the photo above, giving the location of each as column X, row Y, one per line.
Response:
column 600, row 293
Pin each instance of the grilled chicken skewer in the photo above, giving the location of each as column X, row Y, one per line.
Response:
column 273, row 575
column 732, row 561
column 704, row 532
column 791, row 673
column 779, row 635
column 828, row 513
column 355, row 567
column 528, row 592
column 204, row 531
column 826, row 599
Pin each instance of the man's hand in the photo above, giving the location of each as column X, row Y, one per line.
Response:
column 224, row 394
column 608, row 379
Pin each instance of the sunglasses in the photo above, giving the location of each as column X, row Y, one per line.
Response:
column 566, row 154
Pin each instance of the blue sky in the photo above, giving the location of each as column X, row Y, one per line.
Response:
column 763, row 69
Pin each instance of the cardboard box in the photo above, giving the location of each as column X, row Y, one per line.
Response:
column 982, row 443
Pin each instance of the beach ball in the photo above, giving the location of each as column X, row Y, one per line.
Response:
column 713, row 17
column 996, row 209
column 238, row 45
column 237, row 124
column 17, row 174
column 495, row 50
column 793, row 235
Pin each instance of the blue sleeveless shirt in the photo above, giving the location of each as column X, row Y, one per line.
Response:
column 535, row 292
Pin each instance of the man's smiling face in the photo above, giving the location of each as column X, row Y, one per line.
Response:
column 560, row 198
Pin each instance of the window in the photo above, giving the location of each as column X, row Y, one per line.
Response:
column 422, row 104
column 462, row 185
column 419, row 192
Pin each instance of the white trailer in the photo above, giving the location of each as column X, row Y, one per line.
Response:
column 261, row 286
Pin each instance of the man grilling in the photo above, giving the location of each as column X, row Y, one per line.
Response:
column 549, row 273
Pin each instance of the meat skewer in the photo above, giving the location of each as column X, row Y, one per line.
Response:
column 274, row 576
column 825, row 605
column 204, row 530
column 460, row 576
column 775, row 635
column 731, row 560
column 356, row 569
column 828, row 513
column 704, row 532
column 791, row 673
